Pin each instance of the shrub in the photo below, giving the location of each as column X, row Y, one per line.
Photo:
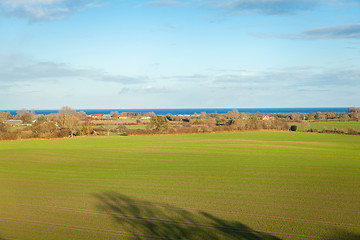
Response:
column 313, row 130
column 305, row 125
column 338, row 131
column 4, row 127
column 8, row 135
column 293, row 128
column 121, row 129
column 352, row 131
column 160, row 124
column 62, row 133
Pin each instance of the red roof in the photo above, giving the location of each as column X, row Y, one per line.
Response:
column 96, row 115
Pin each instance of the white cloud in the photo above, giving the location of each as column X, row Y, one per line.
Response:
column 290, row 87
column 18, row 68
column 309, row 77
column 44, row 10
column 267, row 7
column 21, row 77
column 165, row 3
column 331, row 32
column 334, row 32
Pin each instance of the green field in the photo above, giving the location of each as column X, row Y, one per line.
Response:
column 14, row 128
column 121, row 120
column 244, row 185
column 331, row 125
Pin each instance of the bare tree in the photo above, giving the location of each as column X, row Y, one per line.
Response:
column 353, row 109
column 295, row 117
column 87, row 128
column 69, row 119
column 43, row 129
column 66, row 110
column 5, row 116
column 320, row 116
column 82, row 115
column 355, row 115
column 3, row 126
column 310, row 116
column 71, row 122
column 24, row 115
column 345, row 117
column 114, row 114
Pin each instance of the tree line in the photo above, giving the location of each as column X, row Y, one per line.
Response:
column 69, row 123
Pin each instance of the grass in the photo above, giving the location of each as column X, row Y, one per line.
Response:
column 339, row 125
column 112, row 127
column 331, row 125
column 115, row 120
column 136, row 126
column 14, row 128
column 246, row 185
column 121, row 120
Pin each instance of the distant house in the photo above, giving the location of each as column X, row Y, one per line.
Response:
column 144, row 118
column 95, row 116
column 267, row 117
column 14, row 122
column 122, row 117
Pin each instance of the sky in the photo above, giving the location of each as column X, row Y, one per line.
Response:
column 91, row 54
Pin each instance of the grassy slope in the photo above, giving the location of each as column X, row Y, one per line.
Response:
column 206, row 186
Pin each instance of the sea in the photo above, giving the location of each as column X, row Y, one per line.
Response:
column 191, row 111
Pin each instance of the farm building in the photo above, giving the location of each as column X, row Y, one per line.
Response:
column 95, row 116
column 14, row 122
column 267, row 117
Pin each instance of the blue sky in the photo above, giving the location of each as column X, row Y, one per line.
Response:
column 179, row 54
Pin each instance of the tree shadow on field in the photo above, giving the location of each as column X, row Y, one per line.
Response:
column 149, row 220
